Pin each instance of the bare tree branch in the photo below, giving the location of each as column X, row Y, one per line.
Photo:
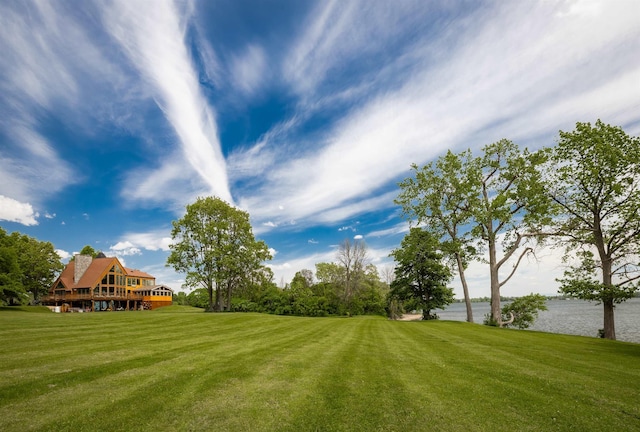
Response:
column 515, row 267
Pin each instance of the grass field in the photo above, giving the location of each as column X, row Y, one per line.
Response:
column 181, row 369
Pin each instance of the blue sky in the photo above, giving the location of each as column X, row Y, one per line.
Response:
column 115, row 115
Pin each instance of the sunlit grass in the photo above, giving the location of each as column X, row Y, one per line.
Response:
column 183, row 369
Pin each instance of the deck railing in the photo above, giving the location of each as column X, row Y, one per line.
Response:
column 74, row 297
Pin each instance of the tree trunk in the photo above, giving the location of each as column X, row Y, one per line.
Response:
column 465, row 288
column 609, row 322
column 218, row 306
column 229, row 290
column 210, row 292
column 607, row 301
column 496, row 313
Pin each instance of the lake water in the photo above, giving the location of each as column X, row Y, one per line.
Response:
column 575, row 317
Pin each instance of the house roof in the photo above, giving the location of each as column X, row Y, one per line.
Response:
column 152, row 288
column 137, row 273
column 95, row 272
column 91, row 276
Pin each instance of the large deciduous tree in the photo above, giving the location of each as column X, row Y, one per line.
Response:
column 27, row 265
column 438, row 197
column 11, row 288
column 595, row 180
column 421, row 276
column 213, row 244
column 497, row 196
column 40, row 265
column 512, row 203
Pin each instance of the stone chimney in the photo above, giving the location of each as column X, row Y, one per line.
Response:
column 82, row 264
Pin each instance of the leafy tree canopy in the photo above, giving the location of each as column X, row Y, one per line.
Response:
column 213, row 244
column 27, row 265
column 594, row 179
column 439, row 198
column 421, row 275
column 88, row 250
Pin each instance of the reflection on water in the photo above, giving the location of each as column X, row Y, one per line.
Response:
column 576, row 317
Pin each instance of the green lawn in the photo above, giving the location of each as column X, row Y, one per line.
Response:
column 179, row 369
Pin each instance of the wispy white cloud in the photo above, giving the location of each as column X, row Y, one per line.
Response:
column 210, row 65
column 525, row 72
column 249, row 70
column 337, row 32
column 50, row 63
column 252, row 163
column 26, row 173
column 34, row 56
column 168, row 183
column 16, row 211
column 400, row 228
column 153, row 37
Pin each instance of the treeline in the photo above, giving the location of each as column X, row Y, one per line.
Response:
column 27, row 268
column 225, row 266
column 328, row 292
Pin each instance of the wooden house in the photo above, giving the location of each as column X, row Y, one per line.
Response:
column 103, row 283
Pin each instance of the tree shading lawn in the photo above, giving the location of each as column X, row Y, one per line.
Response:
column 174, row 370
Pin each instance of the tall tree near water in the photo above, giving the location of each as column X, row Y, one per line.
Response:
column 595, row 179
column 512, row 203
column 213, row 244
column 499, row 194
column 438, row 197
